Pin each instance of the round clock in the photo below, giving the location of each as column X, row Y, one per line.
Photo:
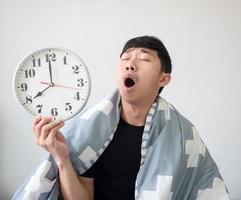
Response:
column 52, row 81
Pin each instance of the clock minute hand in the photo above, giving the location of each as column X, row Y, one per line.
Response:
column 41, row 92
column 63, row 86
column 50, row 73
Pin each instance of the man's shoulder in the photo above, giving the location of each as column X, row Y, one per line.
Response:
column 187, row 128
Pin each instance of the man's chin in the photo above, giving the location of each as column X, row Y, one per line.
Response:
column 133, row 90
column 128, row 92
column 130, row 97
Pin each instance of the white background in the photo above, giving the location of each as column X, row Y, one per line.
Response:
column 202, row 37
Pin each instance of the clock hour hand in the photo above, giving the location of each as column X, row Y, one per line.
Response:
column 50, row 73
column 41, row 92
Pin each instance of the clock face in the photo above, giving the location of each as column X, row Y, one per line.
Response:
column 52, row 81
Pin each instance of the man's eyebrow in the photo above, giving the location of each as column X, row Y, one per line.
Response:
column 146, row 51
column 141, row 49
column 128, row 50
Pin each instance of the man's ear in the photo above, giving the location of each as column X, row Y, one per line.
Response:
column 165, row 78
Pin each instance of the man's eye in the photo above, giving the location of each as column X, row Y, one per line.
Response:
column 145, row 59
column 123, row 59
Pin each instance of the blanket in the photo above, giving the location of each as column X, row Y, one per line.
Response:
column 175, row 163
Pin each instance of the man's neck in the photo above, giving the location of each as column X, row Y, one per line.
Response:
column 134, row 114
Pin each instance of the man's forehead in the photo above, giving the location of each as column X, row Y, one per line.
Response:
column 141, row 49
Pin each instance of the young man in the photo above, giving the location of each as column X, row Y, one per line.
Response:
column 134, row 146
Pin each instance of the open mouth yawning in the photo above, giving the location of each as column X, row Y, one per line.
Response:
column 129, row 82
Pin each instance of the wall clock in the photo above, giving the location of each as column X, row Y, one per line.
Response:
column 52, row 81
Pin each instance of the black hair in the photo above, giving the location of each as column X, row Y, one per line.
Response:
column 151, row 42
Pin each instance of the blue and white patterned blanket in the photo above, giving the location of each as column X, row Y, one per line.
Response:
column 175, row 164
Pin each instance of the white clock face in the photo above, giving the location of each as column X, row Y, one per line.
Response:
column 52, row 81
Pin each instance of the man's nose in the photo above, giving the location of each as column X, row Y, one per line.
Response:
column 131, row 67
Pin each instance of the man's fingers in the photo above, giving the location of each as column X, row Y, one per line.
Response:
column 40, row 124
column 55, row 130
column 48, row 127
column 51, row 138
column 36, row 120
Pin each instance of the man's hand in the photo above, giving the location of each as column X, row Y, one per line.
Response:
column 50, row 138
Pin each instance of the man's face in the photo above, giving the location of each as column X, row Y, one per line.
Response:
column 139, row 75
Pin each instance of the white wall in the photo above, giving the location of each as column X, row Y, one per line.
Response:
column 203, row 38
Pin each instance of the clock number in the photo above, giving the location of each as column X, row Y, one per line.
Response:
column 39, row 108
column 29, row 99
column 50, row 56
column 37, row 63
column 29, row 73
column 80, row 82
column 54, row 112
column 24, row 87
column 76, row 69
column 68, row 107
column 65, row 60
column 77, row 96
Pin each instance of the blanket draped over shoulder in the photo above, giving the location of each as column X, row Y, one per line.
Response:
column 175, row 164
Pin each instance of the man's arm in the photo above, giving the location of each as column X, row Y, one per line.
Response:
column 51, row 139
column 72, row 186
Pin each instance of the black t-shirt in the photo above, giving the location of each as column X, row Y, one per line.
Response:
column 115, row 171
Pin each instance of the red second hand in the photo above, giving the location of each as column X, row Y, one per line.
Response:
column 46, row 83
